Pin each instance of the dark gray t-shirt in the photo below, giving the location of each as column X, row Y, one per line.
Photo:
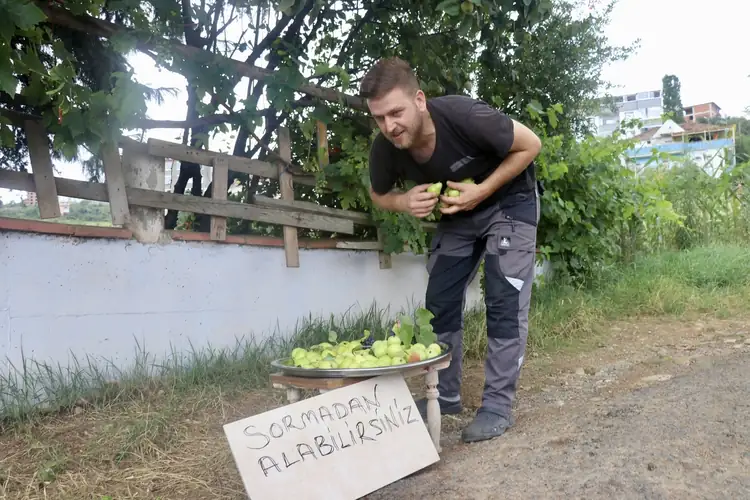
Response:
column 472, row 138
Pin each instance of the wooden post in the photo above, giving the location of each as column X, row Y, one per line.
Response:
column 41, row 167
column 115, row 179
column 291, row 245
column 383, row 257
column 219, row 192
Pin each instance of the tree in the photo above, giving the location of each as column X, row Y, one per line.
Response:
column 559, row 61
column 671, row 98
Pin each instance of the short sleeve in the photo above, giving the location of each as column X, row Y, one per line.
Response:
column 382, row 175
column 490, row 129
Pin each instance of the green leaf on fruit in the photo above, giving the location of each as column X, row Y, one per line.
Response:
column 406, row 332
column 424, row 316
column 426, row 335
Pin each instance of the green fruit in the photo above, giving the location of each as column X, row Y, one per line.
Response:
column 325, row 365
column 344, row 347
column 379, row 348
column 394, row 340
column 468, row 181
column 368, row 364
column 415, row 356
column 298, row 352
column 398, row 361
column 395, row 350
column 453, row 193
column 433, row 351
column 312, row 356
column 467, row 7
column 384, row 361
column 435, row 188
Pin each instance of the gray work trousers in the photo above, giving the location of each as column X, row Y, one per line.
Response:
column 505, row 236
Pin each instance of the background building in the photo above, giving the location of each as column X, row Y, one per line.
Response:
column 645, row 106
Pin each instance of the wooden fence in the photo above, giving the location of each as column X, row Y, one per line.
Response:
column 286, row 211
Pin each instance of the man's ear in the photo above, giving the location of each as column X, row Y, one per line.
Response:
column 421, row 100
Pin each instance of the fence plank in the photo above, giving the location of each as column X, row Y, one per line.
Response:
column 359, row 245
column 197, row 204
column 219, row 192
column 360, row 218
column 115, row 180
column 166, row 149
column 291, row 245
column 41, row 166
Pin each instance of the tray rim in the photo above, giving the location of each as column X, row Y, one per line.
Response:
column 359, row 372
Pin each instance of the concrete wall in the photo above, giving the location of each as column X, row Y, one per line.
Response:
column 99, row 296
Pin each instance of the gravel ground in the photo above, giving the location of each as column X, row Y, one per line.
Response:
column 660, row 411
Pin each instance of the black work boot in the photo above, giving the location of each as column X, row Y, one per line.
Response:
column 486, row 425
column 446, row 407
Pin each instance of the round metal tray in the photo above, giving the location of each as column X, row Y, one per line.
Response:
column 297, row 371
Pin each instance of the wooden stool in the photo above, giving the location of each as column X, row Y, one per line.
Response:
column 293, row 384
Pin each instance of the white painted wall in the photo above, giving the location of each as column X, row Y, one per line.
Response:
column 98, row 297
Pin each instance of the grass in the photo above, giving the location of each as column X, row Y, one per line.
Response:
column 155, row 429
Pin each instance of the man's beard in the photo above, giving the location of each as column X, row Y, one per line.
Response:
column 412, row 134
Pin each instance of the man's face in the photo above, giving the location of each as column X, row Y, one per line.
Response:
column 399, row 116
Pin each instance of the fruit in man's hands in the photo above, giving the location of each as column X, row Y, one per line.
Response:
column 468, row 181
column 435, row 188
column 453, row 193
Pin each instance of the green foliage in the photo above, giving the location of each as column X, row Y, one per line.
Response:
column 80, row 212
column 714, row 205
column 671, row 98
column 537, row 60
column 558, row 62
column 590, row 199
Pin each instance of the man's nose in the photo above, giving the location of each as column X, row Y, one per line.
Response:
column 390, row 125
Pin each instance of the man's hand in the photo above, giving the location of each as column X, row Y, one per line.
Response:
column 419, row 202
column 470, row 196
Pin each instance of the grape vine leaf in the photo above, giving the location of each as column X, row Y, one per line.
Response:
column 426, row 335
column 406, row 331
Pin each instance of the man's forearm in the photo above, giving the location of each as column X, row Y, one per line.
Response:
column 392, row 202
column 514, row 164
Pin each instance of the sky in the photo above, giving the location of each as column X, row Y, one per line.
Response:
column 700, row 42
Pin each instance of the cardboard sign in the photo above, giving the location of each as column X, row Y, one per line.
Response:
column 340, row 445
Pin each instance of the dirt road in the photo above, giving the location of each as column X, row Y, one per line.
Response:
column 659, row 411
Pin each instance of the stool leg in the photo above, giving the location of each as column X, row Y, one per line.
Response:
column 292, row 395
column 433, row 408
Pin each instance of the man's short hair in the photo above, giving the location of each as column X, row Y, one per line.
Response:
column 386, row 75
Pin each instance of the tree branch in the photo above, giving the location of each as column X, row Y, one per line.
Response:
column 98, row 27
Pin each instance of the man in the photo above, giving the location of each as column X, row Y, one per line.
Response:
column 449, row 139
